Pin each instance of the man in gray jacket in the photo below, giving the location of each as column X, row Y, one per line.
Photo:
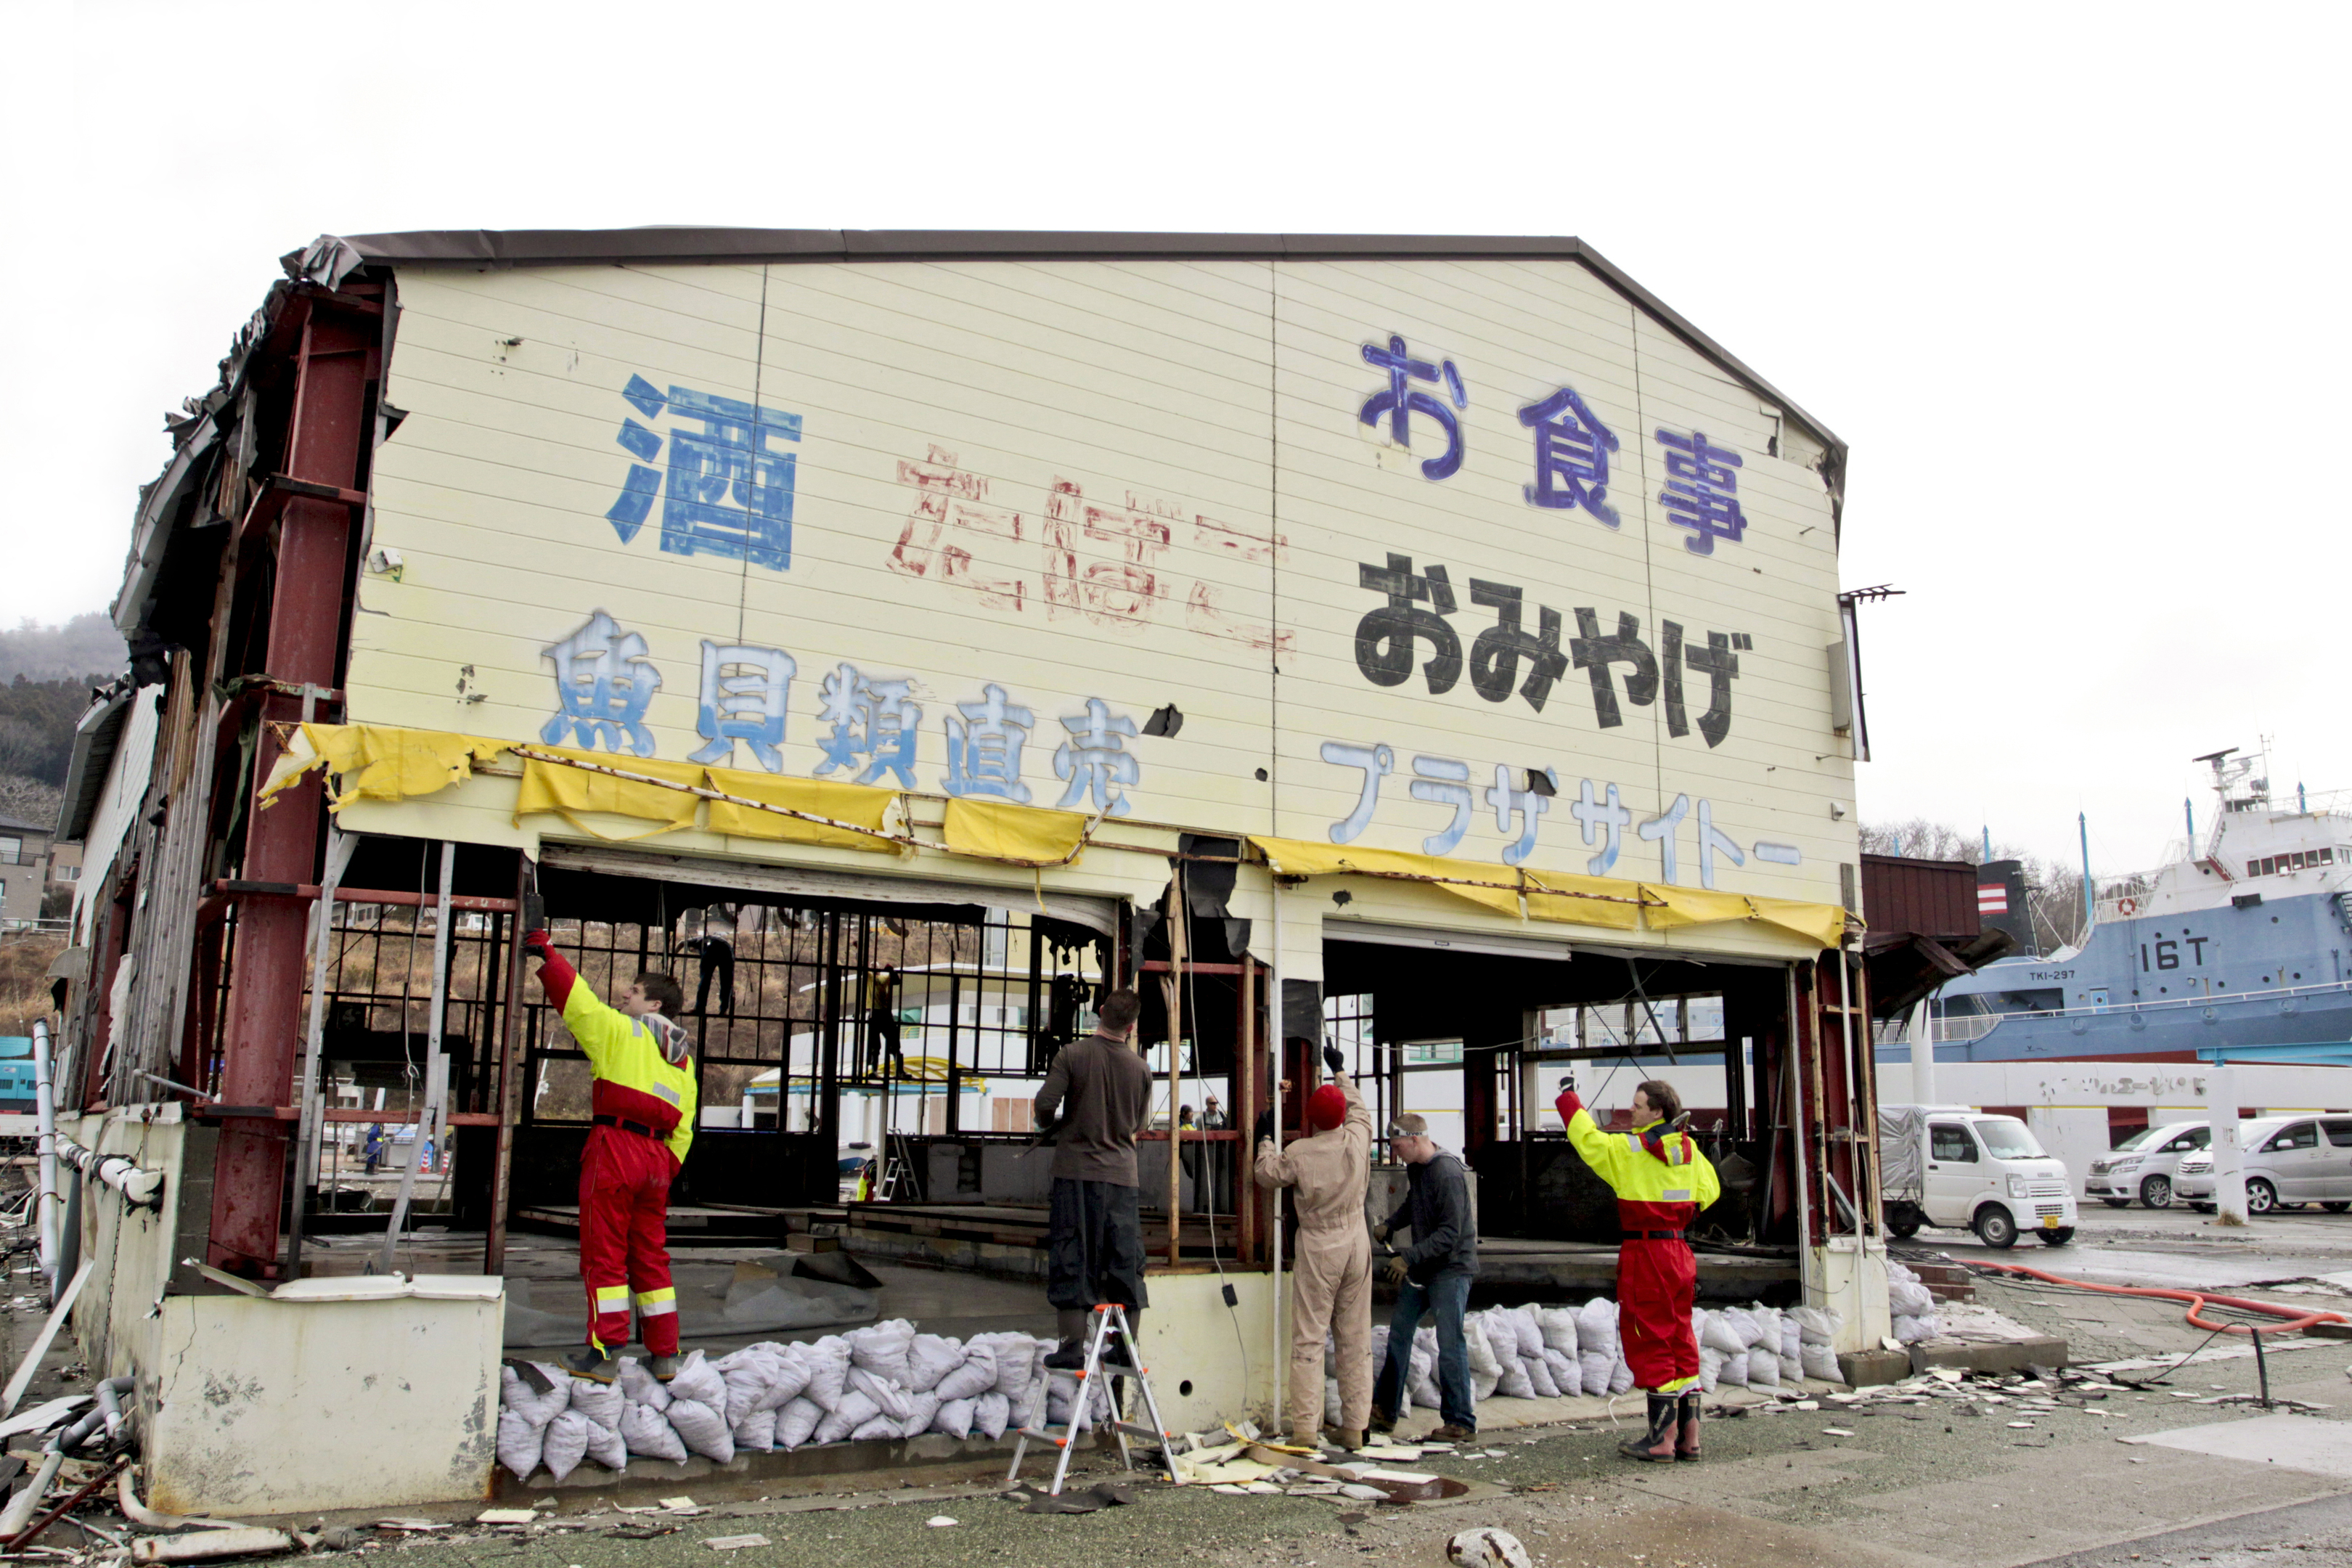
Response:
column 1098, row 1095
column 1431, row 1275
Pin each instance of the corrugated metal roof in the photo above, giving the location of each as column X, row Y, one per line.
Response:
column 672, row 245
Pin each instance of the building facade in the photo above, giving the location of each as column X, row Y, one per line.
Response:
column 1430, row 644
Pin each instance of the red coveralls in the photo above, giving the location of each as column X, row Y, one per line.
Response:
column 644, row 1106
column 1662, row 1182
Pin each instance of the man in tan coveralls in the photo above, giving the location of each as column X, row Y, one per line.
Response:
column 1331, row 1280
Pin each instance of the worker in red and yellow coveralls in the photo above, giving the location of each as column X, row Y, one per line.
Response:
column 644, row 1106
column 1661, row 1183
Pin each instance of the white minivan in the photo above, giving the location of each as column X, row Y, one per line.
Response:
column 2290, row 1160
column 2143, row 1165
column 1954, row 1166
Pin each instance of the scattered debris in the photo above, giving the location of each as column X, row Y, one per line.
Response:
column 1487, row 1549
column 939, row 1521
column 733, row 1543
column 246, row 1540
column 507, row 1516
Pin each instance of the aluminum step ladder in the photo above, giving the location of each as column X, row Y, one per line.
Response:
column 1108, row 1318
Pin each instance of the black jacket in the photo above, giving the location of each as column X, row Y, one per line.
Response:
column 1436, row 1208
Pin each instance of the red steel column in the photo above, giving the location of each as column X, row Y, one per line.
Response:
column 334, row 365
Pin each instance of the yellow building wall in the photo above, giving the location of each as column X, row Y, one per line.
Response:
column 1145, row 484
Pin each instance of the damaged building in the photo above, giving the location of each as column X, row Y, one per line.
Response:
column 1430, row 645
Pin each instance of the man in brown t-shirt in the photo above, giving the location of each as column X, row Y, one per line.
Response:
column 1098, row 1090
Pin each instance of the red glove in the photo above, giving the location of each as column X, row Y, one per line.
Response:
column 556, row 975
column 1568, row 1105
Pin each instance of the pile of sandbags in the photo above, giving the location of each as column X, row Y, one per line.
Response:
column 885, row 1380
column 1913, row 1304
column 1758, row 1346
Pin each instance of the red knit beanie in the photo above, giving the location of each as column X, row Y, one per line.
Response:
column 1325, row 1108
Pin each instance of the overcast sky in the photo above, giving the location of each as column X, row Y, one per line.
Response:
column 2060, row 276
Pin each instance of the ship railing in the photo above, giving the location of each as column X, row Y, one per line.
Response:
column 1977, row 1026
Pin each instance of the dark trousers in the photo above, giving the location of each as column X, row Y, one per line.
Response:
column 1095, row 1246
column 1445, row 1299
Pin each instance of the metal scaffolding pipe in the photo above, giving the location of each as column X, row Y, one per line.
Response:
column 44, row 1108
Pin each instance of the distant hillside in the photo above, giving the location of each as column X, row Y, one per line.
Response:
column 85, row 648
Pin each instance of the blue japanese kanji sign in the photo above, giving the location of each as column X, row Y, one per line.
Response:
column 729, row 492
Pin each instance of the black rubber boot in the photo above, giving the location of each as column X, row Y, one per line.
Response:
column 1656, row 1445
column 1686, row 1433
column 595, row 1363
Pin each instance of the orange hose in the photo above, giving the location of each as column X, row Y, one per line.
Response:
column 2293, row 1321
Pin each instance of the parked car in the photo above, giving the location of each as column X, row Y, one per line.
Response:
column 2143, row 1164
column 1951, row 1165
column 2290, row 1160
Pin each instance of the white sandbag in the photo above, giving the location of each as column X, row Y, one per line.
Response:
column 639, row 1387
column 1424, row 1380
column 750, row 1374
column 1734, row 1370
column 698, row 1380
column 1791, row 1336
column 1530, row 1330
column 702, row 1427
column 1559, row 1326
column 1514, row 1382
column 607, row 1447
column 1565, row 1372
column 1710, row 1368
column 828, row 1364
column 1330, row 1402
column 890, row 1398
column 970, row 1377
column 1742, row 1322
column 796, row 1421
column 919, row 1419
column 756, row 1432
column 1539, row 1377
column 539, row 1409
column 792, row 1370
column 930, row 1358
column 520, row 1440
column 1596, row 1368
column 1486, row 1371
column 1815, row 1325
column 646, row 1432
column 1763, row 1367
column 1717, row 1334
column 991, row 1414
column 881, row 1429
column 1596, row 1328
column 954, row 1417
column 853, row 1411
column 1910, row 1329
column 1822, row 1362
column 1620, row 1376
column 882, row 1347
column 566, row 1444
column 600, row 1402
column 1906, row 1295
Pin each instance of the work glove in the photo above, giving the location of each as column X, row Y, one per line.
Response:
column 1334, row 1060
column 1264, row 1128
column 537, row 944
column 1392, row 1270
column 1381, row 1233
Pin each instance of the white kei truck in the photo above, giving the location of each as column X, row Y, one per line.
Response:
column 1961, row 1168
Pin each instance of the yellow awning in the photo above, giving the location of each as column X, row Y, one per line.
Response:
column 378, row 761
column 1026, row 834
column 858, row 806
column 1609, row 902
column 571, row 793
